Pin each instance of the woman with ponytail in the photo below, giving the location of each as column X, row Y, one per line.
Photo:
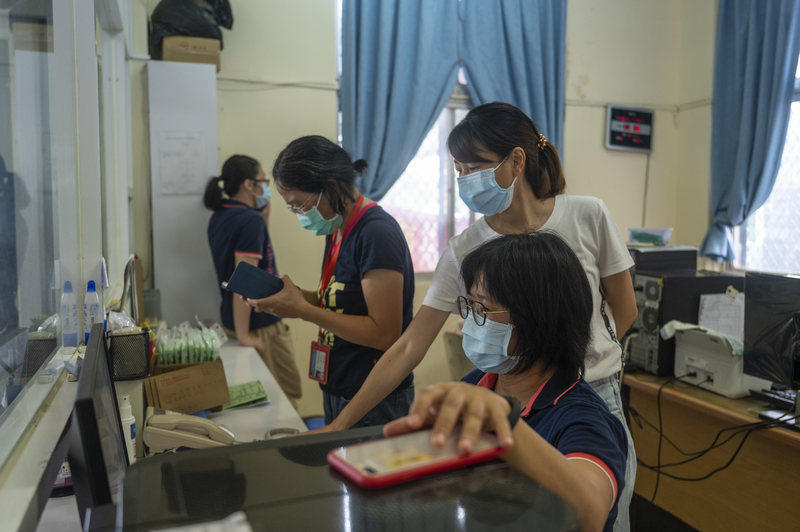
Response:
column 364, row 299
column 237, row 232
column 509, row 172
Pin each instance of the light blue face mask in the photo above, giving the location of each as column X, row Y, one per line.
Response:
column 487, row 345
column 482, row 194
column 313, row 221
column 263, row 199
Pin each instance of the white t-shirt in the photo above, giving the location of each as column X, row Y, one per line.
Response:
column 584, row 223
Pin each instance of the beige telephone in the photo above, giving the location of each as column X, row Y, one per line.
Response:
column 164, row 430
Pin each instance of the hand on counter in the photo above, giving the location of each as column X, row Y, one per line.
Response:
column 288, row 303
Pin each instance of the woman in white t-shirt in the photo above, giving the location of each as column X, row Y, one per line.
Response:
column 512, row 175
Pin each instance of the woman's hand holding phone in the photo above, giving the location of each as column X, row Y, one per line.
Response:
column 288, row 303
column 441, row 406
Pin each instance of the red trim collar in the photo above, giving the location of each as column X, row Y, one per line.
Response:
column 489, row 379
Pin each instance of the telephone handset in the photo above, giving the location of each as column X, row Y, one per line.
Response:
column 164, row 430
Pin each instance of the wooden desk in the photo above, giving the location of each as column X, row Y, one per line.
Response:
column 761, row 488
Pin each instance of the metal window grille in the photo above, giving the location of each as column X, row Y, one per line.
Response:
column 424, row 201
column 769, row 240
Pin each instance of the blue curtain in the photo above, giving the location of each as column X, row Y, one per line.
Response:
column 400, row 60
column 758, row 43
column 514, row 51
column 399, row 66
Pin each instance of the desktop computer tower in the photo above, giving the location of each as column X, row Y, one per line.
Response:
column 662, row 297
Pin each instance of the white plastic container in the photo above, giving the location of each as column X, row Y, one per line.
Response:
column 69, row 317
column 91, row 310
column 128, row 427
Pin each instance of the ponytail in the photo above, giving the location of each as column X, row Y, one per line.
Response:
column 235, row 171
column 360, row 165
column 498, row 128
column 214, row 194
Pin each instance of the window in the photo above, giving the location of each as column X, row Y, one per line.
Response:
column 424, row 200
column 46, row 178
column 769, row 240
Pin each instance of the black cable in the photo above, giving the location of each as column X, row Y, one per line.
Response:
column 661, row 430
column 646, row 186
column 741, row 444
column 714, row 445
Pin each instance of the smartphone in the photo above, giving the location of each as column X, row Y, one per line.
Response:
column 379, row 463
column 252, row 282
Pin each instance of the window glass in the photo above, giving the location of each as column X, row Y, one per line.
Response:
column 769, row 240
column 424, row 200
column 31, row 219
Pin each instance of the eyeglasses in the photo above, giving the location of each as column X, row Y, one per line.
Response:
column 264, row 182
column 299, row 210
column 479, row 312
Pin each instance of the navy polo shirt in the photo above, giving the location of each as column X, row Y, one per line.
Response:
column 568, row 413
column 236, row 228
column 376, row 242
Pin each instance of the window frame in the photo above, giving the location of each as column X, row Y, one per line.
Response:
column 740, row 231
column 74, row 116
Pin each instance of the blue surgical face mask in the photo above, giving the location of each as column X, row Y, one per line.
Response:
column 313, row 221
column 482, row 194
column 263, row 199
column 487, row 345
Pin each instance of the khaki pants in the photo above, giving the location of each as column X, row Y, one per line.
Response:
column 279, row 358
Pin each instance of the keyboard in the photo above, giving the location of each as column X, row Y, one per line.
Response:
column 782, row 399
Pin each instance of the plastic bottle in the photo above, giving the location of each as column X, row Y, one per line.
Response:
column 69, row 317
column 128, row 427
column 91, row 310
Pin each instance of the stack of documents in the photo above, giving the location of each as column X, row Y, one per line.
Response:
column 247, row 394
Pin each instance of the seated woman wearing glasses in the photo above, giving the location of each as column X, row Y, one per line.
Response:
column 365, row 296
column 527, row 326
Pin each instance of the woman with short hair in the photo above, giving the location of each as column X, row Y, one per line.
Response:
column 528, row 336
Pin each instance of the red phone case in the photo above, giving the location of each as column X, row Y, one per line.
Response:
column 396, row 477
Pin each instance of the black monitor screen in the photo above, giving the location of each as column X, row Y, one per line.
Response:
column 772, row 328
column 97, row 450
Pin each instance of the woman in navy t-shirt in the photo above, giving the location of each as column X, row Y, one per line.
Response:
column 528, row 336
column 366, row 291
column 237, row 232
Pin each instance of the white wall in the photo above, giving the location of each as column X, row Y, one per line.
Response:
column 644, row 54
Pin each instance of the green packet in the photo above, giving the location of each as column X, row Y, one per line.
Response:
column 247, row 394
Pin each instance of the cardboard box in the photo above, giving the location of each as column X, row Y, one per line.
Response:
column 158, row 369
column 194, row 388
column 191, row 50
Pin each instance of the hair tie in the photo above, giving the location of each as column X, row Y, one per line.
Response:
column 221, row 185
column 542, row 141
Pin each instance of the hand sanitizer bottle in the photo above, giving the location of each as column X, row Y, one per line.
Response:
column 69, row 317
column 128, row 427
column 91, row 310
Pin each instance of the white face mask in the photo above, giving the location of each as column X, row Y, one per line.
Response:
column 486, row 345
column 481, row 193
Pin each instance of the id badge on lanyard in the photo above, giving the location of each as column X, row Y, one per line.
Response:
column 320, row 353
column 318, row 364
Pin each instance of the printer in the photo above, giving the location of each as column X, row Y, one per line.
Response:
column 717, row 359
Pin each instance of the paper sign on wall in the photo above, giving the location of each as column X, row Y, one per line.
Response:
column 182, row 161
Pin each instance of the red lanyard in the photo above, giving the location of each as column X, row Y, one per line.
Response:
column 333, row 253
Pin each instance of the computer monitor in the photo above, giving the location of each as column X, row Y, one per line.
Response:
column 97, row 455
column 772, row 328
